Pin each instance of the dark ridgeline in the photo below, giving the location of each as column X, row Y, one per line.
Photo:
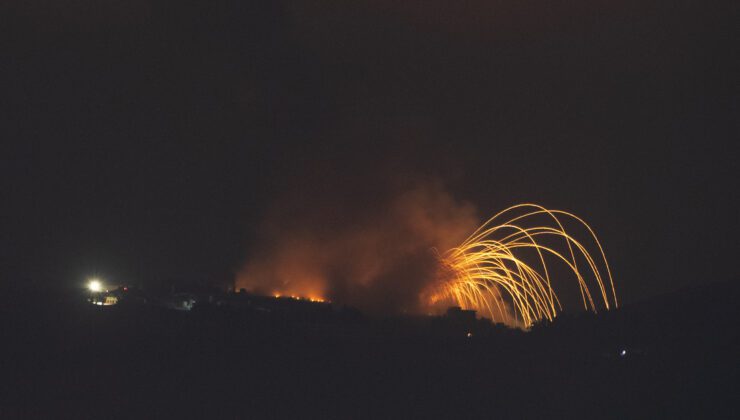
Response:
column 251, row 356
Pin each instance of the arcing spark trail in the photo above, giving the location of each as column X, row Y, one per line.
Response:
column 487, row 272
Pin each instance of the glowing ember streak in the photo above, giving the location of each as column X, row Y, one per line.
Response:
column 487, row 273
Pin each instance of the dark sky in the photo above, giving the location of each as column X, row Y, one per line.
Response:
column 149, row 139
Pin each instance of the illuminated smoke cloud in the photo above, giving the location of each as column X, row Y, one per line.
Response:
column 379, row 257
column 422, row 251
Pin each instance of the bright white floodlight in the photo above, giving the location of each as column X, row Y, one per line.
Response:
column 95, row 285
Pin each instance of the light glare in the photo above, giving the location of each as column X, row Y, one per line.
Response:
column 95, row 285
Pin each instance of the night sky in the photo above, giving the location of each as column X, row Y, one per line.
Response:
column 150, row 140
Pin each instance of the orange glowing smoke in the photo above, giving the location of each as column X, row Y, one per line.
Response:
column 374, row 256
column 381, row 258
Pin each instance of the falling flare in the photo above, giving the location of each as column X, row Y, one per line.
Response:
column 487, row 271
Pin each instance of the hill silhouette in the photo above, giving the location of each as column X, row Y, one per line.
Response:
column 672, row 355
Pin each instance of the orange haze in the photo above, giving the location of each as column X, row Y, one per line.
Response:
column 379, row 258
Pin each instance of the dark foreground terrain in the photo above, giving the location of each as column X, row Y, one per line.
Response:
column 672, row 356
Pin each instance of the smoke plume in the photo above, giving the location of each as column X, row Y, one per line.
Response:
column 378, row 255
